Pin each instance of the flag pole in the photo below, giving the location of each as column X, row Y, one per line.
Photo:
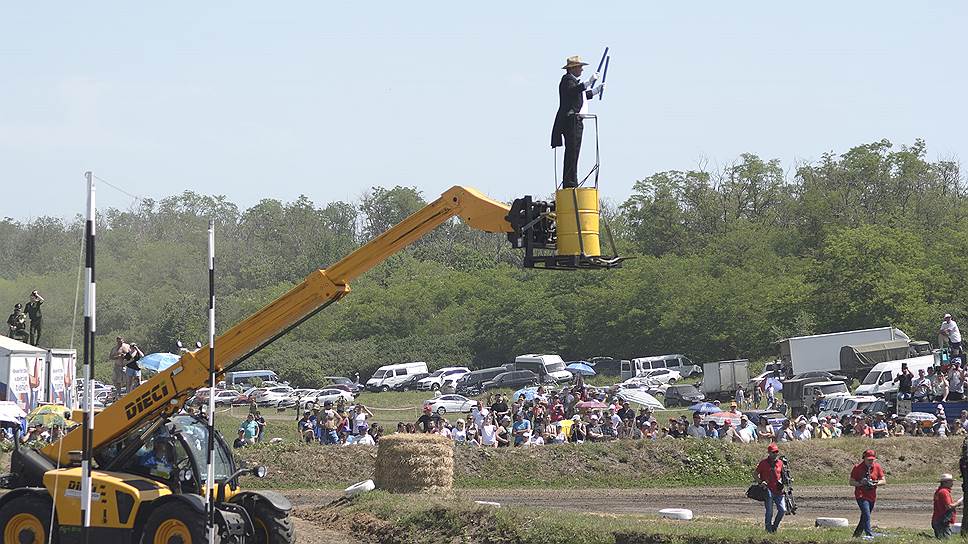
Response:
column 210, row 483
column 90, row 297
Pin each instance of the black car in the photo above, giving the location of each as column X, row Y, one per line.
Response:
column 472, row 383
column 512, row 380
column 683, row 395
column 774, row 418
column 410, row 383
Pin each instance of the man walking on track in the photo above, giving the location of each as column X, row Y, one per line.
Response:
column 568, row 122
column 945, row 508
column 866, row 477
column 768, row 474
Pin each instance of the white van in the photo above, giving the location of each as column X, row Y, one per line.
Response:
column 245, row 378
column 676, row 361
column 880, row 379
column 543, row 365
column 387, row 376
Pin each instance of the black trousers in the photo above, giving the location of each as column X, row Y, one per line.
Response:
column 35, row 325
column 573, row 130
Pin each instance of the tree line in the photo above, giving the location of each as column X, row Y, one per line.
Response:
column 723, row 264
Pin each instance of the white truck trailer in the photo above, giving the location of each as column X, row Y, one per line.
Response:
column 721, row 379
column 31, row 375
column 822, row 351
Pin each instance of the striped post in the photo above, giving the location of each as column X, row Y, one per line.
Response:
column 210, row 483
column 90, row 297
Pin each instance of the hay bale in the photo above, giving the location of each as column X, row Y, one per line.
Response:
column 407, row 463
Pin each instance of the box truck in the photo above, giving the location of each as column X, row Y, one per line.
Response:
column 822, row 351
column 30, row 375
column 722, row 378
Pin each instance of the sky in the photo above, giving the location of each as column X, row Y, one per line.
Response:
column 256, row 100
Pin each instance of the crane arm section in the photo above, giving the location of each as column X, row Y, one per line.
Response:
column 168, row 390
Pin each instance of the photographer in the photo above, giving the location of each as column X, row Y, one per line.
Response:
column 945, row 507
column 865, row 478
column 768, row 474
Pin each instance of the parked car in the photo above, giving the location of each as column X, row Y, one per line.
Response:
column 512, row 380
column 650, row 386
column 662, row 375
column 225, row 397
column 774, row 418
column 451, row 403
column 470, row 383
column 272, row 395
column 410, row 383
column 322, row 396
column 839, row 407
column 340, row 382
column 435, row 380
column 682, row 395
column 293, row 398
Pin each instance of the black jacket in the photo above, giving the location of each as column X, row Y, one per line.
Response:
column 571, row 96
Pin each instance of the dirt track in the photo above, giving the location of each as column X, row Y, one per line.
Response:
column 899, row 506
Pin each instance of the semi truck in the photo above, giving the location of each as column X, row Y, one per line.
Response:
column 149, row 458
column 820, row 352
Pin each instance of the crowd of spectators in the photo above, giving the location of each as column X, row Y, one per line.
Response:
column 338, row 424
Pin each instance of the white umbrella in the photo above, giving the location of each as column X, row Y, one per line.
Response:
column 637, row 396
column 10, row 412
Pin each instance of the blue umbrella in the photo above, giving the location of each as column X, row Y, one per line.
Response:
column 528, row 392
column 580, row 368
column 158, row 361
column 705, row 408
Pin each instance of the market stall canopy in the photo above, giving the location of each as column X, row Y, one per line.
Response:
column 11, row 412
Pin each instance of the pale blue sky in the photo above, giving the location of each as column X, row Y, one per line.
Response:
column 271, row 100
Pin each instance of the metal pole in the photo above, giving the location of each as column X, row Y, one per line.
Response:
column 210, row 483
column 90, row 296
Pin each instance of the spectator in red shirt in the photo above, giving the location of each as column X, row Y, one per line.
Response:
column 767, row 474
column 945, row 508
column 865, row 477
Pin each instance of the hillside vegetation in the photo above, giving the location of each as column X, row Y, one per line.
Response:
column 726, row 262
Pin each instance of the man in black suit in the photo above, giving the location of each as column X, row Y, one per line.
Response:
column 568, row 123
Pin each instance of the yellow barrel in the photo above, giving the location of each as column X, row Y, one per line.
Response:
column 584, row 223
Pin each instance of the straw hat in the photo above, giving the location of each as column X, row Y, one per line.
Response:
column 572, row 62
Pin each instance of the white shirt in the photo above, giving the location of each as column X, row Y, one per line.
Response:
column 459, row 435
column 616, row 421
column 488, row 435
column 359, row 420
column 802, row 435
column 954, row 335
column 365, row 440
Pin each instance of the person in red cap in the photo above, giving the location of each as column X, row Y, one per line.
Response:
column 865, row 477
column 768, row 474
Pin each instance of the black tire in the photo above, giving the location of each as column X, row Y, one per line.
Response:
column 385, row 388
column 434, row 387
column 28, row 513
column 171, row 523
column 271, row 526
column 672, row 381
column 441, row 411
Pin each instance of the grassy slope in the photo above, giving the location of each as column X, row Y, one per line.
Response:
column 391, row 519
column 665, row 463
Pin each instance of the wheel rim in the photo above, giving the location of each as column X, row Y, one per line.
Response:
column 172, row 531
column 24, row 528
column 261, row 530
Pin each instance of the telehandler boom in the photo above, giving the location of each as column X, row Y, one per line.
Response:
column 149, row 480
